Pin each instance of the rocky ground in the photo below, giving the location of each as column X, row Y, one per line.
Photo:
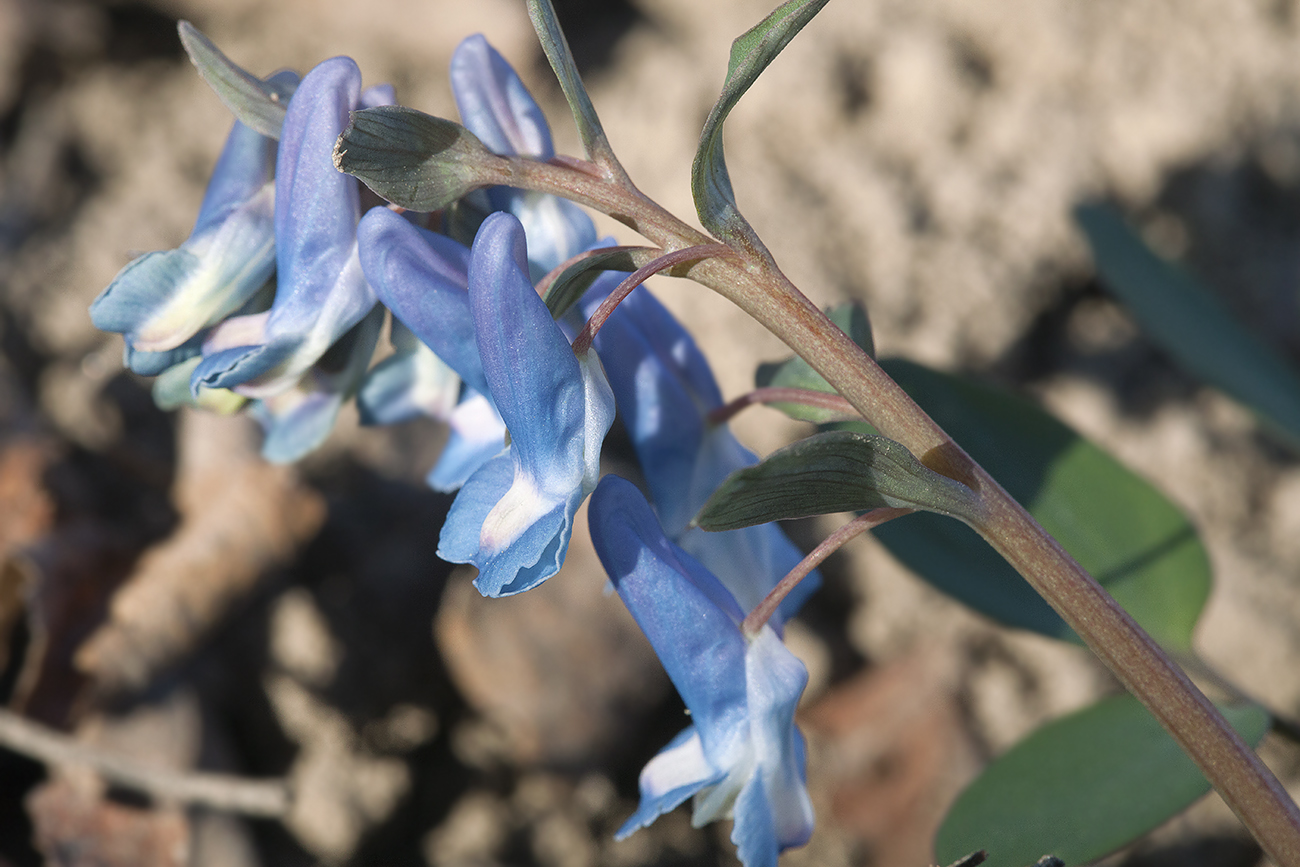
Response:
column 166, row 595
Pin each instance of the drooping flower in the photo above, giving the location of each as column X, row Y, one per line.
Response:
column 742, row 756
column 321, row 292
column 665, row 391
column 162, row 300
column 514, row 515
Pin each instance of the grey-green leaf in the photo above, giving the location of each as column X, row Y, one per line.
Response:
column 415, row 160
column 573, row 281
column 796, row 373
column 750, row 55
column 1192, row 324
column 1120, row 528
column 1081, row 787
column 837, row 471
column 556, row 48
column 259, row 105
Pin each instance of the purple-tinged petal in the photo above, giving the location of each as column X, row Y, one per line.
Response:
column 495, row 105
column 321, row 291
column 423, row 278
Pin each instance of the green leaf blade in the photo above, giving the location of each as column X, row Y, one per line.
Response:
column 1192, row 324
column 413, row 159
column 838, row 471
column 1122, row 530
column 751, row 53
column 796, row 373
column 1081, row 787
column 257, row 104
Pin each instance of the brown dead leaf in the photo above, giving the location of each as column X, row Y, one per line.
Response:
column 240, row 517
column 75, row 826
column 69, row 577
column 26, row 514
column 892, row 751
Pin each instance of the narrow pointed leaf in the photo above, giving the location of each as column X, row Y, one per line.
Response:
column 1120, row 528
column 1192, row 324
column 415, row 160
column 750, row 55
column 1081, row 787
column 575, row 280
column 556, row 47
column 797, row 373
column 838, row 471
column 258, row 104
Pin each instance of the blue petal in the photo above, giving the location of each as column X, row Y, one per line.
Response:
column 557, row 409
column 689, row 618
column 245, row 167
column 300, row 419
column 154, row 363
column 752, row 831
column 411, row 383
column 321, row 291
column 495, row 105
column 477, row 435
column 677, row 772
column 161, row 300
column 423, row 278
column 664, row 389
column 775, row 680
column 556, row 228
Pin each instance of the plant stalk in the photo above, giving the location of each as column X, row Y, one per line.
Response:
column 758, row 287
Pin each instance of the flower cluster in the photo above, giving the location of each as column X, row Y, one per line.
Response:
column 276, row 303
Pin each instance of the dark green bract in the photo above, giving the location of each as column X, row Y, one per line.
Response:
column 839, row 471
column 257, row 104
column 413, row 159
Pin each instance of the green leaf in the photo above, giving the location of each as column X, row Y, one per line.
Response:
column 573, row 281
column 415, row 160
column 1081, row 787
column 750, row 55
column 1192, row 324
column 258, row 104
column 556, row 48
column 838, row 471
column 796, row 373
column 1121, row 529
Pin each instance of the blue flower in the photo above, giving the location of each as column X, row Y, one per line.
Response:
column 514, row 516
column 742, row 756
column 665, row 391
column 423, row 278
column 162, row 300
column 321, row 291
column 497, row 108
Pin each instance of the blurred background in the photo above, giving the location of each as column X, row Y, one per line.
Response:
column 166, row 595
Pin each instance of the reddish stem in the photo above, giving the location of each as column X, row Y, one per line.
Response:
column 804, row 396
column 762, row 612
column 668, row 260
